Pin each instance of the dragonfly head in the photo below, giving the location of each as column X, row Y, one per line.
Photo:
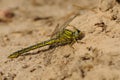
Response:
column 78, row 34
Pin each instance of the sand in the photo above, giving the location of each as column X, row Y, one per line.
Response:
column 95, row 57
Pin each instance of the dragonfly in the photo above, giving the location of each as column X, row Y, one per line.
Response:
column 63, row 37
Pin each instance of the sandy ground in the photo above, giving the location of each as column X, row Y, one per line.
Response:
column 96, row 57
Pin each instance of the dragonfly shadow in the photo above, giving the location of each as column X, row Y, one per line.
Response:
column 39, row 51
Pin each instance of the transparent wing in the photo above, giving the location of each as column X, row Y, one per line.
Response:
column 63, row 26
column 59, row 29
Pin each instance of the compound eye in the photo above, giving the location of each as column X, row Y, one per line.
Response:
column 78, row 31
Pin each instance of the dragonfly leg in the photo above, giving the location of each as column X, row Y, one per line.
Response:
column 71, row 45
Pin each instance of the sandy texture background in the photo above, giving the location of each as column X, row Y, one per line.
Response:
column 96, row 57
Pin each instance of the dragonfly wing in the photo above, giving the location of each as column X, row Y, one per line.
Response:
column 59, row 29
column 63, row 26
column 55, row 31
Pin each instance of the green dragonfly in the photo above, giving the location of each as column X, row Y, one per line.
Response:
column 63, row 37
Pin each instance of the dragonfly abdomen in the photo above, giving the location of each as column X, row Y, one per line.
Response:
column 42, row 44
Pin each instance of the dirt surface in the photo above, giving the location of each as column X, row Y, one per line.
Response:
column 95, row 57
